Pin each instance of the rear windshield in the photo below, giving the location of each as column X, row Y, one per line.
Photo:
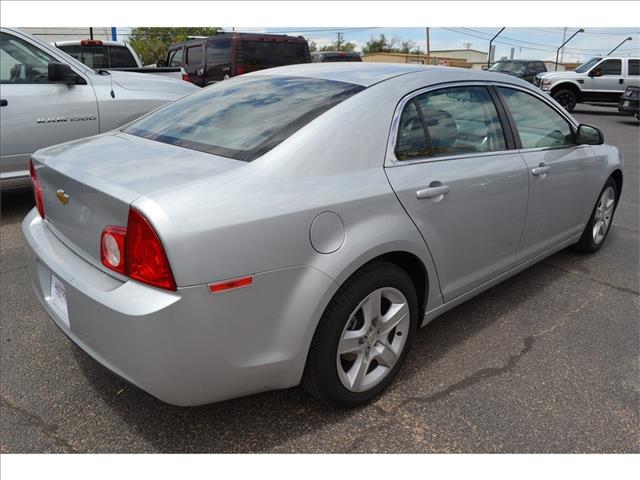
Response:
column 120, row 56
column 272, row 54
column 342, row 58
column 94, row 56
column 242, row 119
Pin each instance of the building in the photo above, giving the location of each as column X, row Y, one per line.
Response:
column 469, row 56
column 386, row 57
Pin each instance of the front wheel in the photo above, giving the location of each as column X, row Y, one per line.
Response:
column 363, row 337
column 601, row 219
column 566, row 98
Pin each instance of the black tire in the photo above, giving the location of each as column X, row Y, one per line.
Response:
column 586, row 244
column 567, row 98
column 320, row 376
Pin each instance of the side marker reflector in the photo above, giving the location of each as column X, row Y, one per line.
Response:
column 227, row 285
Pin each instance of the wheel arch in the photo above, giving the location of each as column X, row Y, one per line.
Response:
column 567, row 85
column 617, row 177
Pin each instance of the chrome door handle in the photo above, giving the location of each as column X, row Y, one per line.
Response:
column 540, row 171
column 435, row 191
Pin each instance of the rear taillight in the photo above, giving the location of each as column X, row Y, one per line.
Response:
column 136, row 251
column 185, row 77
column 37, row 188
column 239, row 69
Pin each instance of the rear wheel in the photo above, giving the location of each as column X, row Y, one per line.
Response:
column 600, row 221
column 566, row 98
column 363, row 337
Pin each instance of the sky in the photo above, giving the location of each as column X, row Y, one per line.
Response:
column 531, row 42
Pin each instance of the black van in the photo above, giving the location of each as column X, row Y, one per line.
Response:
column 209, row 60
column 334, row 56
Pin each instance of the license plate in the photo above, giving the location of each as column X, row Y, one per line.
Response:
column 626, row 103
column 59, row 298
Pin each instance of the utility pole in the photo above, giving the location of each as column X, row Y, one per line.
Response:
column 564, row 43
column 91, row 33
column 428, row 48
column 468, row 45
column 339, row 40
column 490, row 44
column 564, row 37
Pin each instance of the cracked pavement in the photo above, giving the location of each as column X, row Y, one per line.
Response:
column 548, row 361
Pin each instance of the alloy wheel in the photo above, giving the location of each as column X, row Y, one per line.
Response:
column 373, row 339
column 603, row 215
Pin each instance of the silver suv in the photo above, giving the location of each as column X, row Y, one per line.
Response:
column 601, row 79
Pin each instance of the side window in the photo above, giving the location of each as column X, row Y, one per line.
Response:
column 175, row 58
column 21, row 62
column 411, row 141
column 121, row 57
column 538, row 124
column 610, row 67
column 634, row 67
column 194, row 55
column 219, row 52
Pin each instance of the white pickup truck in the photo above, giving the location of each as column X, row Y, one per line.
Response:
column 601, row 79
column 48, row 97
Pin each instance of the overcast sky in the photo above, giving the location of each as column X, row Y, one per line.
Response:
column 539, row 43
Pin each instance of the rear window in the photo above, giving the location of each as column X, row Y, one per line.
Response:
column 342, row 58
column 272, row 54
column 634, row 67
column 121, row 57
column 93, row 56
column 243, row 119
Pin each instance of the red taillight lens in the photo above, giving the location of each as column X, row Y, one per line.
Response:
column 239, row 69
column 145, row 257
column 185, row 77
column 136, row 251
column 112, row 248
column 37, row 188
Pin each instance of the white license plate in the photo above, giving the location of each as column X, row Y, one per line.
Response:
column 626, row 103
column 59, row 298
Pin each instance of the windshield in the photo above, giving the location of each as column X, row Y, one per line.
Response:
column 242, row 119
column 514, row 68
column 586, row 66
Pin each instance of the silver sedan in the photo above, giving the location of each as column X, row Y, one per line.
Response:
column 299, row 224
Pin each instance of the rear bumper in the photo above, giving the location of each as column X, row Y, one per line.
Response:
column 186, row 347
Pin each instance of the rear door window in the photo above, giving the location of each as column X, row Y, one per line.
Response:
column 219, row 52
column 175, row 58
column 634, row 67
column 271, row 54
column 121, row 57
column 194, row 55
column 243, row 120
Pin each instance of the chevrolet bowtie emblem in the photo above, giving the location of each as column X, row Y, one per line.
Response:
column 63, row 197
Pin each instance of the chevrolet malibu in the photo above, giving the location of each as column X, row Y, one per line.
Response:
column 299, row 224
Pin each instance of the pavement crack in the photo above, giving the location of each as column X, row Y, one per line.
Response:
column 601, row 282
column 49, row 430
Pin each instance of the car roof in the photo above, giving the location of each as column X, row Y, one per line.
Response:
column 369, row 73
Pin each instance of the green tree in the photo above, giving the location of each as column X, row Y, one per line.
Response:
column 344, row 47
column 151, row 43
column 312, row 46
column 388, row 45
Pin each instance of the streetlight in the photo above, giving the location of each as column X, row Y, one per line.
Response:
column 558, row 51
column 625, row 40
column 490, row 42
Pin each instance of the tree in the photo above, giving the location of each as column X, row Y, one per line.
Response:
column 381, row 44
column 312, row 46
column 151, row 43
column 344, row 47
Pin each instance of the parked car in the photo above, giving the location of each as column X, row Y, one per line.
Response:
column 112, row 55
column 49, row 97
column 299, row 224
column 209, row 60
column 524, row 69
column 628, row 104
column 101, row 53
column 601, row 79
column 330, row 56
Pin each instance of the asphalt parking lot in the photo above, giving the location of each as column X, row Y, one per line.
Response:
column 546, row 362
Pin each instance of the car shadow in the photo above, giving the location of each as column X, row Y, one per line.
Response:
column 15, row 203
column 263, row 422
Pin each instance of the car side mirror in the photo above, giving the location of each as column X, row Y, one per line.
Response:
column 588, row 135
column 161, row 64
column 61, row 73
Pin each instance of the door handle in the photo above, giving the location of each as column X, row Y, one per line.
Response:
column 540, row 171
column 621, row 81
column 3, row 103
column 436, row 189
